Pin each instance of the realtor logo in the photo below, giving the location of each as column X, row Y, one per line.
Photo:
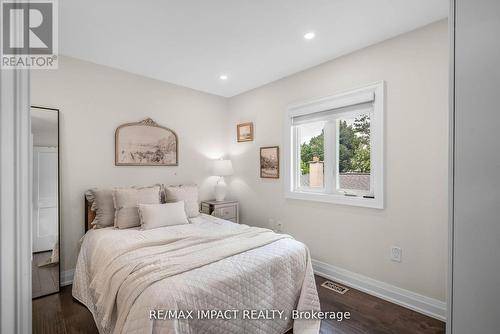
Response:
column 29, row 34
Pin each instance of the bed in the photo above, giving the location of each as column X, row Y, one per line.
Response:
column 209, row 276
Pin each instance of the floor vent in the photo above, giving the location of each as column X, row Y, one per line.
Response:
column 335, row 287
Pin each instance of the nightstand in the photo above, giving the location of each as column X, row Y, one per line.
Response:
column 227, row 210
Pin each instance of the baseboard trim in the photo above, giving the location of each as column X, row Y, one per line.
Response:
column 67, row 277
column 414, row 301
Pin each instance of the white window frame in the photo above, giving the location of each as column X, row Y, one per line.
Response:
column 375, row 91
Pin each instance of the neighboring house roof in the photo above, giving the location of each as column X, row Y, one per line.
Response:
column 355, row 181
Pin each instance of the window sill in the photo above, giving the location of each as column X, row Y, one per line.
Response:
column 336, row 199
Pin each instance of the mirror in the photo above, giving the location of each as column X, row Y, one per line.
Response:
column 45, row 189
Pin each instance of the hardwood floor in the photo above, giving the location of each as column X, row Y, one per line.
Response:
column 44, row 279
column 60, row 313
column 372, row 315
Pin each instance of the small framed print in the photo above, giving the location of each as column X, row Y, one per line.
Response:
column 245, row 132
column 270, row 162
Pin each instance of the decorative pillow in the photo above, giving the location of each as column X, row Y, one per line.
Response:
column 158, row 215
column 186, row 193
column 126, row 201
column 102, row 204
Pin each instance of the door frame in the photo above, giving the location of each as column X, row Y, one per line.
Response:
column 451, row 165
column 15, row 202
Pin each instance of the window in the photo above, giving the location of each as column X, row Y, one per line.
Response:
column 334, row 148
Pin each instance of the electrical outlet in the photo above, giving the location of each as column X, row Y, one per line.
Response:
column 396, row 254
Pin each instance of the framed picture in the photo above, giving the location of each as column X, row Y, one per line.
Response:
column 145, row 143
column 270, row 162
column 245, row 132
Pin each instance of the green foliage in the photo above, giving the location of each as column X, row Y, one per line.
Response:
column 354, row 147
column 309, row 150
column 362, row 127
column 348, row 142
column 304, row 167
column 361, row 160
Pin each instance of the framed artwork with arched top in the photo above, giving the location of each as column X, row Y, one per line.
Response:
column 145, row 143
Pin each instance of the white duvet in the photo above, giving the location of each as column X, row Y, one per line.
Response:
column 210, row 264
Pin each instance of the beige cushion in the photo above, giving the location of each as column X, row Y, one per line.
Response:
column 126, row 201
column 158, row 215
column 186, row 193
column 102, row 204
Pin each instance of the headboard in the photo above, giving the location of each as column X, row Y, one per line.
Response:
column 89, row 214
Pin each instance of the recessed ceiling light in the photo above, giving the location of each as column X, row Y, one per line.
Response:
column 223, row 77
column 309, row 35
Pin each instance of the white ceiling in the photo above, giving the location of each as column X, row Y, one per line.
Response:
column 254, row 42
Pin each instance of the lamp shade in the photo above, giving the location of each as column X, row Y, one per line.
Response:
column 222, row 168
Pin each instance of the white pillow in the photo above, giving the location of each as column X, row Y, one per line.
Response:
column 126, row 201
column 186, row 193
column 158, row 215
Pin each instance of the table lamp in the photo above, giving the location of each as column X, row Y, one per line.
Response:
column 221, row 168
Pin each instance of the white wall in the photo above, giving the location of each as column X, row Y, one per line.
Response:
column 94, row 100
column 415, row 69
